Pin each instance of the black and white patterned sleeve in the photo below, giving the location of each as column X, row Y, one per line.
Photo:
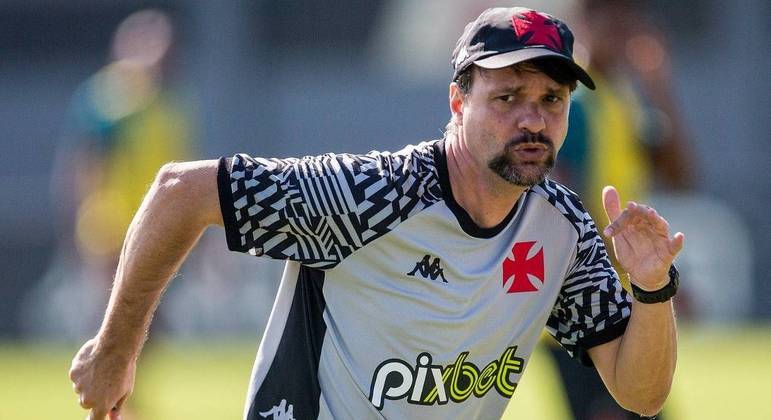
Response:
column 592, row 307
column 318, row 210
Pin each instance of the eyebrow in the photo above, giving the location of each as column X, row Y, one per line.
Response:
column 518, row 90
column 508, row 90
column 558, row 92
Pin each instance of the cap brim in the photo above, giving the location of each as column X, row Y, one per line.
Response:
column 500, row 61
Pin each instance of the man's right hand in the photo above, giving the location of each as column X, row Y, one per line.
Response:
column 103, row 378
column 180, row 204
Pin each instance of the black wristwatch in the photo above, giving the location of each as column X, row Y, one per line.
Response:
column 661, row 295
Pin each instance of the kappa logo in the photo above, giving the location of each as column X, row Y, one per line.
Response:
column 429, row 384
column 280, row 412
column 521, row 269
column 428, row 269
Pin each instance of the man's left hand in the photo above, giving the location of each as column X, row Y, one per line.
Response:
column 641, row 241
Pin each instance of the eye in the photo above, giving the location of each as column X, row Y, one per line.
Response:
column 506, row 98
column 552, row 99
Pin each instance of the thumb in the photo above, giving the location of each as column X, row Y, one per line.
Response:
column 612, row 202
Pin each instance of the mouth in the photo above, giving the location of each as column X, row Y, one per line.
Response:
column 531, row 152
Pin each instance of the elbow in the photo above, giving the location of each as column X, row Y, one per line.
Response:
column 170, row 175
column 176, row 182
column 650, row 408
column 191, row 186
column 169, row 192
column 646, row 405
column 170, row 186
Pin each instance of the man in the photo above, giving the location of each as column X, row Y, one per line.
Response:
column 417, row 282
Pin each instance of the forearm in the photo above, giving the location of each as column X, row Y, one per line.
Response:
column 165, row 228
column 646, row 359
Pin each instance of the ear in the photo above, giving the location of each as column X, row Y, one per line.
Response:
column 456, row 104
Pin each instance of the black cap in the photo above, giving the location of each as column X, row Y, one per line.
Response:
column 501, row 36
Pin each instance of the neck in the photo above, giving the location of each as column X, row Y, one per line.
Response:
column 483, row 194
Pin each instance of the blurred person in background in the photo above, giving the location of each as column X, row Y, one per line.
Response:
column 633, row 125
column 123, row 124
column 392, row 304
column 628, row 133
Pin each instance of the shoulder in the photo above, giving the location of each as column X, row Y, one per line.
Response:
column 413, row 158
column 564, row 200
column 411, row 171
column 410, row 159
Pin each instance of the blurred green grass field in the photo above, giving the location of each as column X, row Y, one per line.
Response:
column 722, row 374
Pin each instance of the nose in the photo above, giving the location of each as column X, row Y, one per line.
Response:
column 531, row 120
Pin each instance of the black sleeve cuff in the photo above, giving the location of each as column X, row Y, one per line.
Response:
column 226, row 205
column 581, row 352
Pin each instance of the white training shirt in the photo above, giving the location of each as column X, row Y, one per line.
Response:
column 394, row 303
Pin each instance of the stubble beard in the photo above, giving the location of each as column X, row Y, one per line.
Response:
column 523, row 173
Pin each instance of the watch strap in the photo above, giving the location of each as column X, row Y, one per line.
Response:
column 661, row 295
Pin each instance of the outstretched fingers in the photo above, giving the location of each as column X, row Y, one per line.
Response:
column 660, row 225
column 676, row 243
column 619, row 218
column 626, row 218
column 639, row 216
column 611, row 202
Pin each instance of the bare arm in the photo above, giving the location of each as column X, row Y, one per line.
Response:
column 637, row 368
column 179, row 206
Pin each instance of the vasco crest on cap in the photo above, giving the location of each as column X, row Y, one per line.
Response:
column 534, row 28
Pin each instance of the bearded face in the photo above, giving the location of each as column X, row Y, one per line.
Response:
column 525, row 161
